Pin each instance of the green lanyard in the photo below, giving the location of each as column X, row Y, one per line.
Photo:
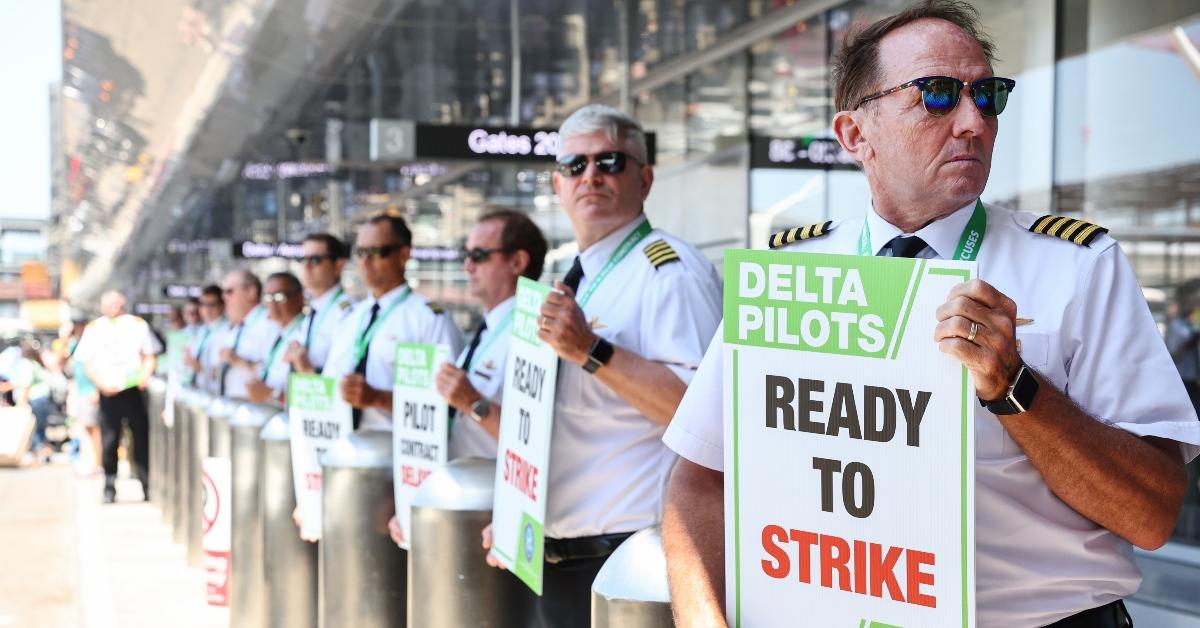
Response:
column 316, row 324
column 364, row 341
column 204, row 340
column 493, row 334
column 623, row 249
column 969, row 242
column 278, row 343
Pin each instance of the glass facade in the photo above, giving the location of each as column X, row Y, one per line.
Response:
column 273, row 138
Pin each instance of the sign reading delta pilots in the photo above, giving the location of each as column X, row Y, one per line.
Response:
column 420, row 428
column 850, row 438
column 317, row 418
column 523, row 452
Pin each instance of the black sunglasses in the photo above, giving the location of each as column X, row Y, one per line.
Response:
column 363, row 252
column 480, row 255
column 313, row 260
column 940, row 94
column 612, row 162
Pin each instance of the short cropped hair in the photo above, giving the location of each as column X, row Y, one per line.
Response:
column 290, row 281
column 396, row 223
column 251, row 280
column 856, row 71
column 520, row 233
column 619, row 128
column 334, row 247
column 213, row 290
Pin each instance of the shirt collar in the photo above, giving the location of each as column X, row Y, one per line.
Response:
column 325, row 300
column 497, row 314
column 598, row 254
column 941, row 235
column 388, row 297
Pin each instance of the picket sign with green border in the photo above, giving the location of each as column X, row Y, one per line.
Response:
column 420, row 424
column 523, row 453
column 317, row 418
column 849, row 457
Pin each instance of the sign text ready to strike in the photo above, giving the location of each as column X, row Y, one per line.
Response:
column 849, row 455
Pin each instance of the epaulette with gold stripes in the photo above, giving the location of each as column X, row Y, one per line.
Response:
column 1080, row 232
column 659, row 253
column 437, row 309
column 784, row 238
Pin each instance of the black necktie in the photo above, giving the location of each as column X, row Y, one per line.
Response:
column 225, row 367
column 361, row 367
column 312, row 320
column 574, row 276
column 906, row 246
column 466, row 363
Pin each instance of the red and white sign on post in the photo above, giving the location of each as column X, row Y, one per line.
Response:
column 217, row 520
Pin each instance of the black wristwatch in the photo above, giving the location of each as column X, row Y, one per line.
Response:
column 1020, row 394
column 599, row 355
column 480, row 409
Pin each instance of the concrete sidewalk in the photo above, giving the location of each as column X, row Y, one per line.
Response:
column 71, row 561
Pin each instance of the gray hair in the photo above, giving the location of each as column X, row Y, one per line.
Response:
column 619, row 128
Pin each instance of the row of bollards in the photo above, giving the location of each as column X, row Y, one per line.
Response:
column 213, row 457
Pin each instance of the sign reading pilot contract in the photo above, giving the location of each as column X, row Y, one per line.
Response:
column 849, row 484
column 420, row 429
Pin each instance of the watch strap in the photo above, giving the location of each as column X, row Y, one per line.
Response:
column 599, row 355
column 1019, row 396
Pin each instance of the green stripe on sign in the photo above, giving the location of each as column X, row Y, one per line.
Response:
column 910, row 294
column 737, row 504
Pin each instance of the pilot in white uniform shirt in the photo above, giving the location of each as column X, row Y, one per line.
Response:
column 412, row 319
column 273, row 370
column 326, row 314
column 250, row 340
column 486, row 375
column 608, row 465
column 1092, row 336
column 199, row 347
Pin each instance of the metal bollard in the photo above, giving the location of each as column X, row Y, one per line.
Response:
column 246, row 604
column 197, row 449
column 180, row 447
column 290, row 594
column 631, row 589
column 362, row 573
column 156, row 393
column 450, row 510
column 167, row 480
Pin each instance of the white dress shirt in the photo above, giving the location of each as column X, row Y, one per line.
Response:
column 413, row 320
column 486, row 374
column 608, row 465
column 326, row 313
column 250, row 340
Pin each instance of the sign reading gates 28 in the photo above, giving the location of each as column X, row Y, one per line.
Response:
column 849, row 457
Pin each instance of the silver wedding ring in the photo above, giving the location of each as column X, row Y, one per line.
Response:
column 974, row 330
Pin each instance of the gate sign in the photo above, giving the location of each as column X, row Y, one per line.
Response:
column 217, row 521
column 317, row 418
column 524, row 445
column 851, row 497
column 420, row 430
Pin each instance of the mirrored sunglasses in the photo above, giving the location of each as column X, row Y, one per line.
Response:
column 940, row 94
column 612, row 162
